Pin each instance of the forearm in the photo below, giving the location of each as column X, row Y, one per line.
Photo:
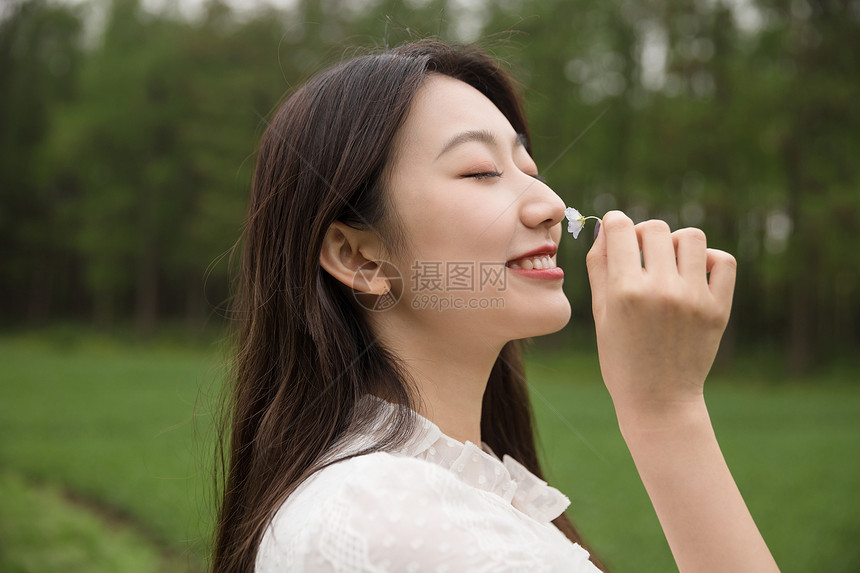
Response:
column 703, row 515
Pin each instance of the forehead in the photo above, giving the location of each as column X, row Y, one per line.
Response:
column 444, row 106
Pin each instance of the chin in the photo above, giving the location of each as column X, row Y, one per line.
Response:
column 561, row 324
column 551, row 319
column 554, row 326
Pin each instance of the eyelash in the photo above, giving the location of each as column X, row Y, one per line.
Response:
column 483, row 175
column 488, row 174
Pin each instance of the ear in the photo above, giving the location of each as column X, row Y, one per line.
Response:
column 352, row 257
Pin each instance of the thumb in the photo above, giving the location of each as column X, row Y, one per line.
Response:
column 595, row 261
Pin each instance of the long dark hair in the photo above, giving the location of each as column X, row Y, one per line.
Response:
column 304, row 351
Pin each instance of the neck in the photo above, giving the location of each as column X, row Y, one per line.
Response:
column 450, row 375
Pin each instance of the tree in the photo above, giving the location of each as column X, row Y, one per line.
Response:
column 39, row 59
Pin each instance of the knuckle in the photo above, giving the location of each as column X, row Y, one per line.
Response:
column 616, row 221
column 654, row 226
column 715, row 318
column 628, row 295
column 721, row 321
column 594, row 258
column 724, row 258
column 702, row 311
column 692, row 234
column 670, row 298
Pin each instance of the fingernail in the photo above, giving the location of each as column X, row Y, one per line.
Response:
column 596, row 230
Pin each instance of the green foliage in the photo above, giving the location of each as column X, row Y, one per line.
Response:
column 126, row 153
column 39, row 59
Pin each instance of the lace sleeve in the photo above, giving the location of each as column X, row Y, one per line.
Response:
column 380, row 513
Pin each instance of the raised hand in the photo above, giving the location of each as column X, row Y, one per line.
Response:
column 659, row 317
column 661, row 303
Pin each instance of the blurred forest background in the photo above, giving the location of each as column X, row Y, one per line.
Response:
column 127, row 138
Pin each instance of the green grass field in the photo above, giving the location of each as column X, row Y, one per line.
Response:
column 105, row 458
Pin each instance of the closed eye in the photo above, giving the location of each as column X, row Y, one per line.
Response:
column 482, row 175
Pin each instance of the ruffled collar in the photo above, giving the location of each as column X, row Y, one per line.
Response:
column 476, row 466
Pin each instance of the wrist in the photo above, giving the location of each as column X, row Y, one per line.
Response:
column 651, row 419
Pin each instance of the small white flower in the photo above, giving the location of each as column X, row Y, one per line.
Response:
column 576, row 221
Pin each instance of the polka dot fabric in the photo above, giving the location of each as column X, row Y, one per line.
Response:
column 436, row 505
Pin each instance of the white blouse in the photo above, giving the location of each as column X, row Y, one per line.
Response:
column 435, row 505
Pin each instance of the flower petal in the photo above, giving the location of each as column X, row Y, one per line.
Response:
column 575, row 221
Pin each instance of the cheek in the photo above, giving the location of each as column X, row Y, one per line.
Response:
column 468, row 224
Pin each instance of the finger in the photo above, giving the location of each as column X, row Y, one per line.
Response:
column 723, row 269
column 595, row 261
column 658, row 251
column 622, row 247
column 691, row 248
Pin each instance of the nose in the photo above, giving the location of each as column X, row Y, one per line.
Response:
column 541, row 205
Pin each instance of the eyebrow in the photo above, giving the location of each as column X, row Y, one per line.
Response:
column 479, row 135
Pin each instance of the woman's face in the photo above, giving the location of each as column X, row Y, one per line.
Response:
column 465, row 190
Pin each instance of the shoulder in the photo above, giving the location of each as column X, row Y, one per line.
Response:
column 383, row 512
column 370, row 484
column 369, row 477
column 372, row 512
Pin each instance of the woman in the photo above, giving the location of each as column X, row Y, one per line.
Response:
column 399, row 245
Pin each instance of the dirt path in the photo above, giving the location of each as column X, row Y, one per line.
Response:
column 171, row 560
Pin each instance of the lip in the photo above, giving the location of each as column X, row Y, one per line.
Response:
column 545, row 274
column 548, row 249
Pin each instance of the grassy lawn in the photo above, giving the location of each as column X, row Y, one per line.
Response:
column 793, row 450
column 125, row 427
column 128, row 428
column 42, row 531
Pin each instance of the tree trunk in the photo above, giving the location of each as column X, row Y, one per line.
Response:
column 146, row 305
column 802, row 266
column 195, row 305
column 103, row 311
column 39, row 303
